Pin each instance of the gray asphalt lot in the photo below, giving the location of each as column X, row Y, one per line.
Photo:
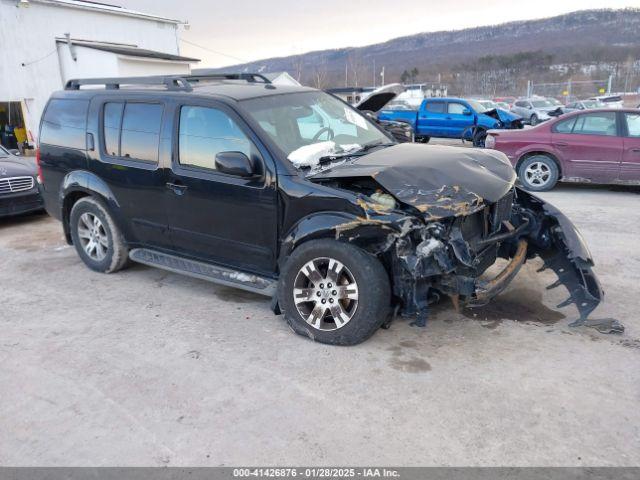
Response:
column 145, row 367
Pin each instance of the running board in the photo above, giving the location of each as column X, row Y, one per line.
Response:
column 205, row 271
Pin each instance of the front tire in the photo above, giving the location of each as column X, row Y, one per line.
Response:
column 538, row 173
column 334, row 293
column 534, row 120
column 96, row 237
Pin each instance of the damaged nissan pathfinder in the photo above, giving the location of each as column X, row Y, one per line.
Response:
column 291, row 193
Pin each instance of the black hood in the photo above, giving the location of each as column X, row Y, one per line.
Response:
column 438, row 180
column 380, row 97
column 16, row 166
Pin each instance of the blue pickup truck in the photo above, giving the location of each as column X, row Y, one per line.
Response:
column 450, row 118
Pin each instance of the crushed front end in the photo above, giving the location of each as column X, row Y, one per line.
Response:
column 451, row 255
column 448, row 215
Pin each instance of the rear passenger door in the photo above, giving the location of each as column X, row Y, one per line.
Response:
column 591, row 146
column 630, row 167
column 129, row 155
column 221, row 218
column 432, row 118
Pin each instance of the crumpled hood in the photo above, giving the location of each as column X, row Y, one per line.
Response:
column 440, row 181
column 504, row 116
column 12, row 167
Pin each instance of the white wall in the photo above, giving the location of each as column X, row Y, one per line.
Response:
column 27, row 35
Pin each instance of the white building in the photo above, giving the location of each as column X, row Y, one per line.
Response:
column 47, row 42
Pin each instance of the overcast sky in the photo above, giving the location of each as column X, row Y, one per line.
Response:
column 244, row 30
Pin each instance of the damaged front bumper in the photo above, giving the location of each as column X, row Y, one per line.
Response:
column 450, row 256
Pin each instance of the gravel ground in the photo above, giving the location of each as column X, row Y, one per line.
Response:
column 145, row 367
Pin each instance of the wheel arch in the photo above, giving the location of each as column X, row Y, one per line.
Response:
column 339, row 226
column 80, row 184
column 532, row 153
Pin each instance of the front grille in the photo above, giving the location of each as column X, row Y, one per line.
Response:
column 15, row 184
column 501, row 211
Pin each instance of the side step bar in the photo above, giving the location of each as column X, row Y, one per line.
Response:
column 205, row 271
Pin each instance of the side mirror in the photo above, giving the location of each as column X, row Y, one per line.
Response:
column 234, row 163
column 529, row 107
column 466, row 111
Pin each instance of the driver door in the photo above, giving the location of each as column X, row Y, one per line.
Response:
column 214, row 216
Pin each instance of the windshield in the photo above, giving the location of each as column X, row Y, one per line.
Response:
column 3, row 152
column 593, row 104
column 541, row 103
column 477, row 106
column 554, row 101
column 297, row 120
column 488, row 104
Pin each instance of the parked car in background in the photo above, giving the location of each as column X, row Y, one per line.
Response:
column 18, row 190
column 376, row 100
column 507, row 100
column 598, row 146
column 584, row 105
column 533, row 110
column 503, row 105
column 452, row 118
column 290, row 193
column 610, row 101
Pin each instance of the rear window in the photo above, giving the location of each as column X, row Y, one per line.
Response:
column 435, row 107
column 132, row 130
column 65, row 123
column 565, row 126
column 603, row 123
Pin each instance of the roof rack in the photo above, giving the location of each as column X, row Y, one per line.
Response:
column 171, row 82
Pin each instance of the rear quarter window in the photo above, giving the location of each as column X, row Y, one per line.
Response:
column 64, row 123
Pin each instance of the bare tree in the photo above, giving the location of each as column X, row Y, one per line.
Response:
column 354, row 61
column 297, row 67
column 320, row 74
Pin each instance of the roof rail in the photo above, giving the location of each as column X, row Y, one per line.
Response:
column 171, row 82
column 248, row 77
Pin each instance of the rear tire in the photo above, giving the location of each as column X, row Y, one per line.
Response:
column 538, row 173
column 533, row 120
column 479, row 137
column 311, row 303
column 422, row 139
column 96, row 237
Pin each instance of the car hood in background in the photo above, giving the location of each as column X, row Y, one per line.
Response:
column 504, row 116
column 440, row 181
column 377, row 99
column 16, row 166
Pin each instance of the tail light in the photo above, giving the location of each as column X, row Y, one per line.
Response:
column 40, row 176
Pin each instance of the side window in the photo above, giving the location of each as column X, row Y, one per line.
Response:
column 520, row 104
column 602, row 123
column 435, row 107
column 140, row 136
column 633, row 124
column 112, row 119
column 565, row 126
column 65, row 123
column 455, row 108
column 204, row 132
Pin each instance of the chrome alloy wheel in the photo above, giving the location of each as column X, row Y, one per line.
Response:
column 325, row 294
column 93, row 236
column 538, row 174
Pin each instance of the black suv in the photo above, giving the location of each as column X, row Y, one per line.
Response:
column 291, row 193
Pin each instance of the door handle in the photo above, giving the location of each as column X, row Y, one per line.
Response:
column 635, row 150
column 561, row 144
column 177, row 188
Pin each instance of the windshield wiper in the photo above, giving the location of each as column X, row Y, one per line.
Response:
column 357, row 153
